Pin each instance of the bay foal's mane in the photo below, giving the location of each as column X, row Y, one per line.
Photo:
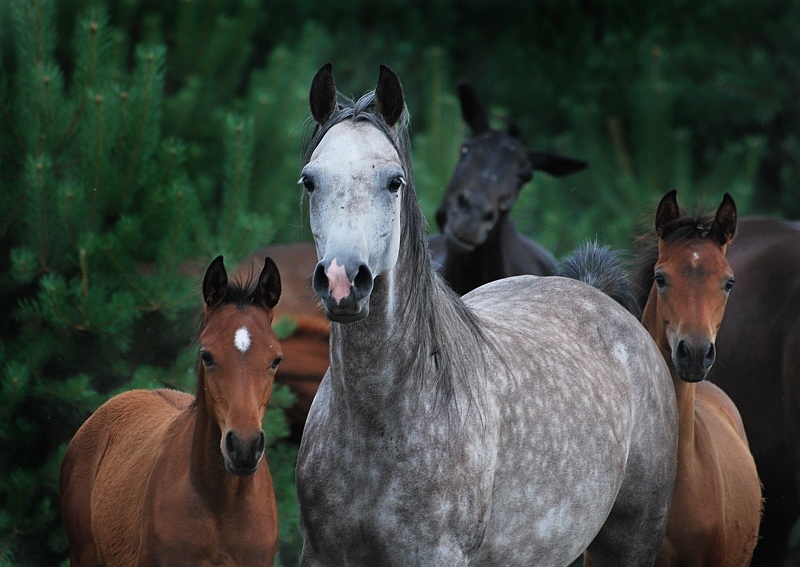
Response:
column 690, row 226
column 449, row 335
column 240, row 291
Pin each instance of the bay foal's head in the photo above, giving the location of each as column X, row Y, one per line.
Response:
column 691, row 283
column 239, row 354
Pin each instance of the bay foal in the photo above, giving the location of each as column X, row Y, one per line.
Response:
column 159, row 477
column 716, row 506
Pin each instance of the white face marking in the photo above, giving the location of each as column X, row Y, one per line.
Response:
column 351, row 211
column 242, row 339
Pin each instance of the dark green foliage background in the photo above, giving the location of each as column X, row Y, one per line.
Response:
column 141, row 138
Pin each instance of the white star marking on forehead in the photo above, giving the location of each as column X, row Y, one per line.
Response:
column 242, row 339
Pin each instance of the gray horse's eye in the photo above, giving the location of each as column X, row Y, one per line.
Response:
column 396, row 183
column 306, row 182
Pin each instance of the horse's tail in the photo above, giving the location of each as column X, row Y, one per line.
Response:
column 600, row 267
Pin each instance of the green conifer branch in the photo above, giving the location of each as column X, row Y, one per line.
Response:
column 145, row 108
column 98, row 159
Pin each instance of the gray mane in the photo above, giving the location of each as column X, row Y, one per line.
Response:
column 449, row 336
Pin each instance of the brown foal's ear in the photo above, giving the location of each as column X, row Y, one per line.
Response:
column 322, row 97
column 667, row 212
column 215, row 283
column 269, row 284
column 724, row 227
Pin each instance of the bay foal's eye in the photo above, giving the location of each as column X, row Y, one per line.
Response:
column 276, row 362
column 660, row 280
column 396, row 183
column 206, row 359
column 729, row 284
column 307, row 182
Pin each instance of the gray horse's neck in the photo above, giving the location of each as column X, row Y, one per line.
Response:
column 418, row 342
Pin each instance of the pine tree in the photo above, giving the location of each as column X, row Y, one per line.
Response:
column 111, row 212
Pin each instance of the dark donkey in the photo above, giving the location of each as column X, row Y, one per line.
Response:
column 478, row 242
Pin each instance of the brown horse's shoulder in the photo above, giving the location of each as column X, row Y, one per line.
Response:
column 177, row 399
column 713, row 398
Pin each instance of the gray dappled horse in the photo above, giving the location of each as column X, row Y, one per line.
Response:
column 527, row 422
column 478, row 242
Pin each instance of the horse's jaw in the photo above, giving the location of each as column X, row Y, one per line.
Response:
column 338, row 315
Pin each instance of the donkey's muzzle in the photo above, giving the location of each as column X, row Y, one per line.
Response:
column 693, row 360
column 344, row 290
column 243, row 455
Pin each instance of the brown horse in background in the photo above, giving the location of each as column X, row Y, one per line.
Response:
column 759, row 350
column 716, row 507
column 160, row 477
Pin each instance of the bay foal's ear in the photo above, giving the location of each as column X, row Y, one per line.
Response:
column 269, row 284
column 389, row 96
column 215, row 284
column 471, row 110
column 555, row 165
column 667, row 212
column 723, row 228
column 322, row 97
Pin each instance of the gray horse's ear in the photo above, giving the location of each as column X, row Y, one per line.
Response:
column 472, row 110
column 555, row 165
column 723, row 228
column 269, row 284
column 215, row 283
column 322, row 97
column 667, row 212
column 389, row 96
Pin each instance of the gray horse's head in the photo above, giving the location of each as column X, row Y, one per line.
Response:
column 355, row 178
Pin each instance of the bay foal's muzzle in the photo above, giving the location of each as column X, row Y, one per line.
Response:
column 242, row 456
column 344, row 289
column 693, row 358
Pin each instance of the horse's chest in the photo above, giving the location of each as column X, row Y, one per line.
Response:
column 212, row 546
column 385, row 496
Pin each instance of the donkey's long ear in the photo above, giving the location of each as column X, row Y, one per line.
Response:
column 723, row 228
column 322, row 97
column 389, row 96
column 269, row 284
column 472, row 111
column 215, row 284
column 667, row 212
column 555, row 165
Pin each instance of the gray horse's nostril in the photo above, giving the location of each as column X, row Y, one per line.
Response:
column 320, row 281
column 362, row 284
